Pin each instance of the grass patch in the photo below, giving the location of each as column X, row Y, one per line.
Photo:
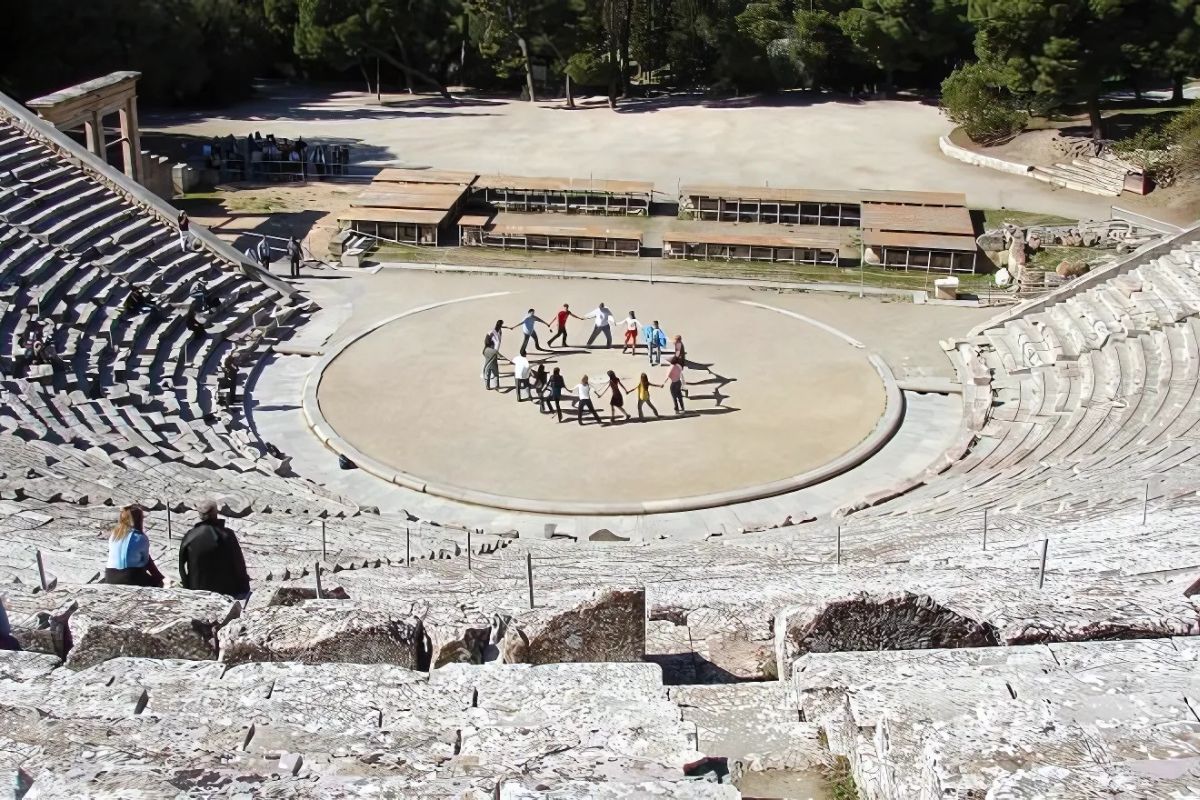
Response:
column 996, row 217
column 1048, row 258
column 839, row 782
column 870, row 276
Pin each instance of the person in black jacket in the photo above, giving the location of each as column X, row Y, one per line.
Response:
column 210, row 558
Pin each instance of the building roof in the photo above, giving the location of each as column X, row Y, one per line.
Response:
column 415, row 216
column 924, row 219
column 436, row 176
column 544, row 184
column 473, row 220
column 534, row 224
column 427, row 196
column 852, row 197
column 825, row 237
column 919, row 241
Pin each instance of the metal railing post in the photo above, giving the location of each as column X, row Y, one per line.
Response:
column 1042, row 569
column 42, row 572
column 317, row 573
column 407, row 546
column 529, row 576
column 323, row 556
column 468, row 549
column 985, row 529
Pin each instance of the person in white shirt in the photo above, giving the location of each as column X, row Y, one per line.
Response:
column 631, row 333
column 604, row 320
column 521, row 374
column 583, row 399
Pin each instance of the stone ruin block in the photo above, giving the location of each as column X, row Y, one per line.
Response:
column 85, row 625
column 898, row 621
column 609, row 626
column 324, row 630
column 114, row 621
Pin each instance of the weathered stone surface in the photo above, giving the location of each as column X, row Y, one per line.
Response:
column 294, row 595
column 22, row 666
column 322, row 630
column 90, row 624
column 903, row 621
column 754, row 724
column 609, row 627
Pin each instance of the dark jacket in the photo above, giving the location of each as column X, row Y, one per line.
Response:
column 210, row 559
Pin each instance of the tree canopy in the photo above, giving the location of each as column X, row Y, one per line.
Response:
column 1041, row 55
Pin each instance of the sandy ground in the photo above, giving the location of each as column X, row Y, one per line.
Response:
column 794, row 140
column 777, row 397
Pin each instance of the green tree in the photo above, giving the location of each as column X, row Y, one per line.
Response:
column 344, row 33
column 905, row 35
column 1063, row 52
column 975, row 97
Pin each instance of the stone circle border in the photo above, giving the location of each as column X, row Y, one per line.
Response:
column 886, row 427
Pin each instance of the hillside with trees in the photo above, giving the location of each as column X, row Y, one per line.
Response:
column 998, row 61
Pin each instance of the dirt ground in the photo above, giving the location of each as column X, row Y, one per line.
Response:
column 795, row 139
column 238, row 212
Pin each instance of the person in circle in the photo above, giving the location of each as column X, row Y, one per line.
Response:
column 632, row 327
column 539, row 381
column 583, row 401
column 555, row 386
column 616, row 400
column 491, row 363
column 528, row 327
column 675, row 378
column 643, row 396
column 564, row 314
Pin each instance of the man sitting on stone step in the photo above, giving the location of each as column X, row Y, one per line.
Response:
column 210, row 558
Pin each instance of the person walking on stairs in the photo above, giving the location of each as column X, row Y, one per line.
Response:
column 293, row 254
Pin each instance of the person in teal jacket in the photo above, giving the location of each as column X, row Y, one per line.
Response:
column 656, row 340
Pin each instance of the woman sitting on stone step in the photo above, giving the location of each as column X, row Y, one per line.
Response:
column 129, row 560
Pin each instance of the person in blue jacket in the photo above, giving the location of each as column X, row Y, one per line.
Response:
column 656, row 340
column 129, row 560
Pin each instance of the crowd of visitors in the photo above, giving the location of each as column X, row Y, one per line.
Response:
column 256, row 157
column 534, row 384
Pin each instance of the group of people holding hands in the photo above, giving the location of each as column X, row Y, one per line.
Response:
column 534, row 383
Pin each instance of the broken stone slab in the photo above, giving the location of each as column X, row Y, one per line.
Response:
column 21, row 666
column 755, row 724
column 86, row 625
column 113, row 621
column 324, row 630
column 864, row 621
column 687, row 788
column 610, row 626
column 294, row 595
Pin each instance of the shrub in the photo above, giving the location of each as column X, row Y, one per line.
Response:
column 1167, row 151
column 973, row 96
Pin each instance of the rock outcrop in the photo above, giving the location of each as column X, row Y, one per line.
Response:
column 324, row 630
column 611, row 626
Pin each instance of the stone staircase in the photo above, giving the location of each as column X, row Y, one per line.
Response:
column 1101, row 176
column 1072, row 720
